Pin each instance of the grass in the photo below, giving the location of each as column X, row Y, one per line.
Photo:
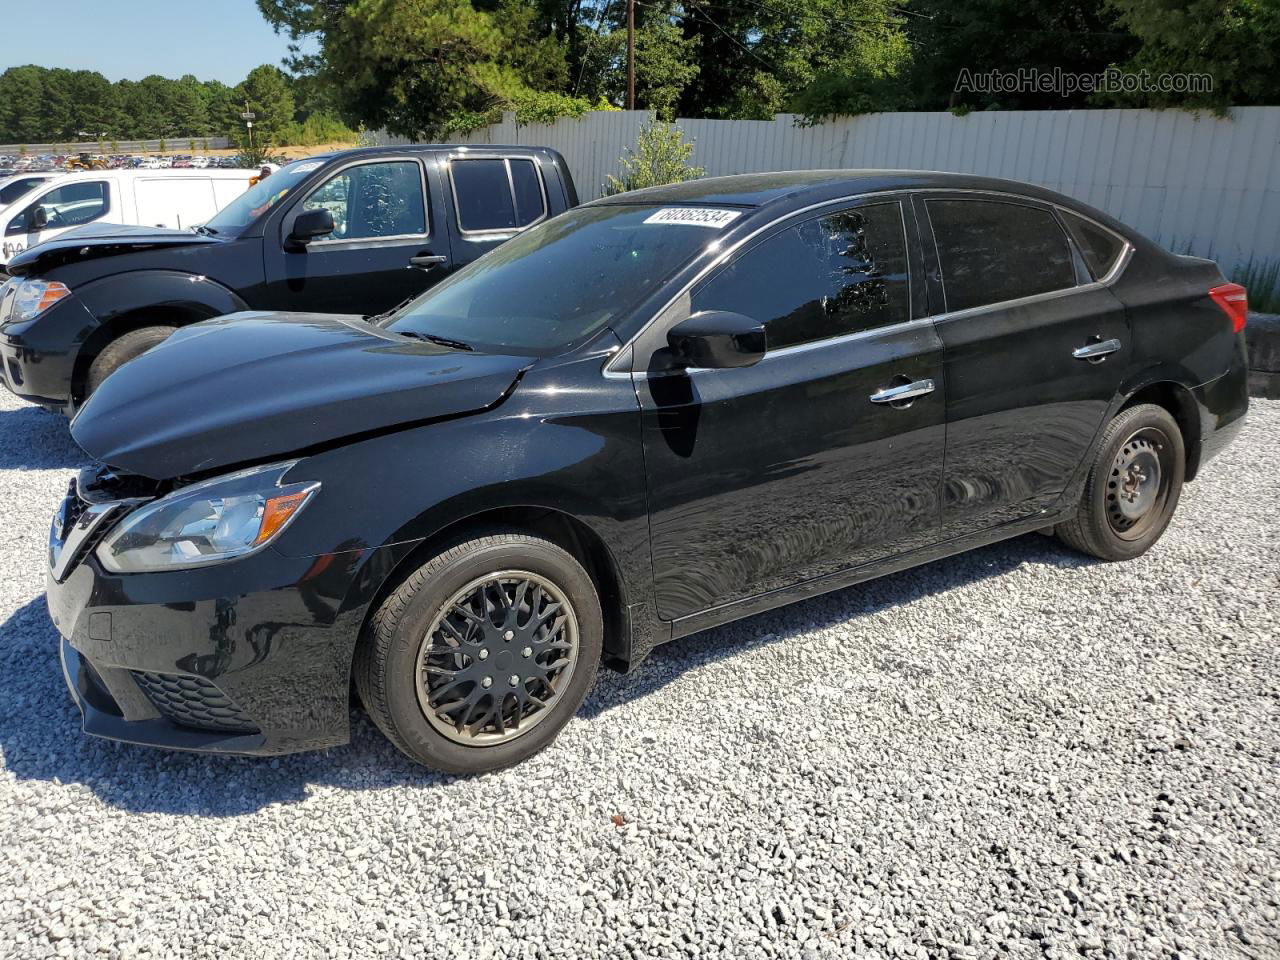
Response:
column 1262, row 280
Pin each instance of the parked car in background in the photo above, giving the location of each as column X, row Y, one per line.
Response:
column 654, row 414
column 354, row 232
column 175, row 200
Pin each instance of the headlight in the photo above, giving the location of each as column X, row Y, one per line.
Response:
column 34, row 297
column 207, row 522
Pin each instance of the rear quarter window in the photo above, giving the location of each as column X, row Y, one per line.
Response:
column 1100, row 247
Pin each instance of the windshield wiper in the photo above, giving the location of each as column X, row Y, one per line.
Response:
column 379, row 317
column 432, row 338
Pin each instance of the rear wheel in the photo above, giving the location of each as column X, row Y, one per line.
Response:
column 1133, row 486
column 483, row 654
column 121, row 350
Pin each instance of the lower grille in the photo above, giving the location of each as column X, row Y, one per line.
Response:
column 194, row 702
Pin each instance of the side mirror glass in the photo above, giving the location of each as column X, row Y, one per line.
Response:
column 717, row 339
column 39, row 218
column 311, row 225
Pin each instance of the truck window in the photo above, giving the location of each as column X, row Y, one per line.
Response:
column 496, row 194
column 70, row 205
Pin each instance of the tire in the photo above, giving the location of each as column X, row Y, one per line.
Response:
column 407, row 671
column 120, row 351
column 1133, row 486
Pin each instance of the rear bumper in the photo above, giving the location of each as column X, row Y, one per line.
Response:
column 1222, row 404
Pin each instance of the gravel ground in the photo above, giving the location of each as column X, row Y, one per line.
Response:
column 1018, row 751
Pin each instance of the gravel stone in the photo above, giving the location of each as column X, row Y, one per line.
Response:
column 1018, row 752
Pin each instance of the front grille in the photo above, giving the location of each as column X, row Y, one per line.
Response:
column 194, row 702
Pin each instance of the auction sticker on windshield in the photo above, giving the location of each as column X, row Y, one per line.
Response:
column 695, row 216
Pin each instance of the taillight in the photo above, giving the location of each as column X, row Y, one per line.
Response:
column 1234, row 301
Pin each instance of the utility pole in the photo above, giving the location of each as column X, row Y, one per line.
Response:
column 631, row 54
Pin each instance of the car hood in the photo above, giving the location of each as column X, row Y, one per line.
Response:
column 251, row 387
column 100, row 240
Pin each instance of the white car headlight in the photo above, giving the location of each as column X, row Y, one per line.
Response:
column 34, row 297
column 207, row 522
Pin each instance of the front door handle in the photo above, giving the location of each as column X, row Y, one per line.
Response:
column 1096, row 352
column 906, row 391
column 426, row 262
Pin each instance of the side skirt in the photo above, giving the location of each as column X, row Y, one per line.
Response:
column 736, row 610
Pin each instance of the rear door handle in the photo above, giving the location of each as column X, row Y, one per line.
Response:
column 907, row 391
column 1096, row 352
column 428, row 261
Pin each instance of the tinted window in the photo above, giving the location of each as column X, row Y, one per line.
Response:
column 558, row 282
column 67, row 206
column 373, row 200
column 1100, row 248
column 823, row 278
column 483, row 195
column 992, row 251
column 12, row 191
column 528, row 189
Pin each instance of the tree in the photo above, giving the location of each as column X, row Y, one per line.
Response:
column 267, row 93
column 420, row 67
column 661, row 155
column 1236, row 42
column 981, row 36
column 21, row 96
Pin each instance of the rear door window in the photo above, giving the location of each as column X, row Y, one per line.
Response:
column 827, row 277
column 497, row 194
column 991, row 251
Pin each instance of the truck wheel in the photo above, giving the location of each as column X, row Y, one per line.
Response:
column 480, row 657
column 1132, row 488
column 120, row 351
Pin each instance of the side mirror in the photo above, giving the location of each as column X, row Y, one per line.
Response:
column 717, row 339
column 311, row 225
column 39, row 218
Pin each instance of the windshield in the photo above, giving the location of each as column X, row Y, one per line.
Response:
column 261, row 197
column 563, row 280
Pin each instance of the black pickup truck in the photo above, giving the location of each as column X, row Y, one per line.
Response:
column 353, row 232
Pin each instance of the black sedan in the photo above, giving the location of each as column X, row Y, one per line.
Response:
column 652, row 414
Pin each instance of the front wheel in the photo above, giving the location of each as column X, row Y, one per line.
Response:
column 121, row 350
column 1132, row 488
column 480, row 657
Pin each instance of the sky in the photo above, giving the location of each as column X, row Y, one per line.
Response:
column 129, row 39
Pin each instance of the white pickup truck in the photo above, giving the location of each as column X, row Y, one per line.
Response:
column 176, row 199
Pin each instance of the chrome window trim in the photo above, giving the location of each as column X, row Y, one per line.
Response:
column 506, row 164
column 1117, row 270
column 400, row 237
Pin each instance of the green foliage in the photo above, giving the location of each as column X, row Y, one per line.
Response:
column 1236, row 42
column 317, row 129
column 1078, row 36
column 1262, row 280
column 266, row 93
column 661, row 155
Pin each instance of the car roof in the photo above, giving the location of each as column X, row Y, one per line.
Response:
column 816, row 186
column 454, row 148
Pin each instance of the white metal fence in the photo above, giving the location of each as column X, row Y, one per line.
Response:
column 1200, row 185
